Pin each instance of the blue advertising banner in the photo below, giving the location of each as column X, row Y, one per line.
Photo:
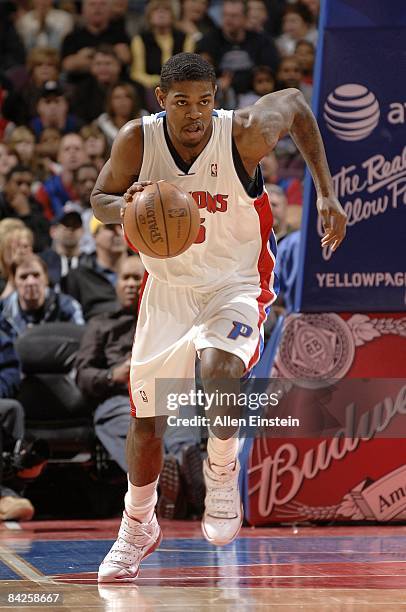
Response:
column 360, row 105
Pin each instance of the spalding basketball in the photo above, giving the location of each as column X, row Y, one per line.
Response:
column 161, row 221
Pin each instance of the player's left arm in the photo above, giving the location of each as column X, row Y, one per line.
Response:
column 259, row 127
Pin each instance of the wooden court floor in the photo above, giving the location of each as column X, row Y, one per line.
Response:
column 284, row 568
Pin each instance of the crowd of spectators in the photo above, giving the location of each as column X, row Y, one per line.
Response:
column 72, row 73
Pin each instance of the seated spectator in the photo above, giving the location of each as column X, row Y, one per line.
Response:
column 90, row 89
column 53, row 111
column 122, row 105
column 96, row 146
column 103, row 361
column 257, row 16
column 59, row 188
column 92, row 284
column 263, row 82
column 64, row 254
column 235, row 49
column 297, row 24
column 155, row 44
column 286, row 218
column 44, row 326
column 22, row 144
column 43, row 64
column 225, row 96
column 8, row 160
column 44, row 26
column 103, row 365
column 286, row 269
column 194, row 19
column 292, row 187
column 85, row 179
column 33, row 302
column 290, row 75
column 18, row 202
column 46, row 150
column 13, row 507
column 305, row 54
column 15, row 245
column 96, row 29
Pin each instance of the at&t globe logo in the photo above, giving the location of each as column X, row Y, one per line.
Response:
column 351, row 112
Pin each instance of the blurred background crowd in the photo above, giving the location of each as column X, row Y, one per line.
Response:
column 72, row 73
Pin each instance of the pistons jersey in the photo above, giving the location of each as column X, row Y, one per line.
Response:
column 235, row 243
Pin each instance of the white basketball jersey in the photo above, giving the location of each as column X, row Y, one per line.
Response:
column 233, row 242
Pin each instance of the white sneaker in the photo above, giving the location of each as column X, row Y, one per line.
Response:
column 135, row 541
column 223, row 515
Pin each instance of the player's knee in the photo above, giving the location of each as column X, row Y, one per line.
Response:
column 146, row 430
column 219, row 364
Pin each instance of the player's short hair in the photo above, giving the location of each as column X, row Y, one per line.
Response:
column 186, row 67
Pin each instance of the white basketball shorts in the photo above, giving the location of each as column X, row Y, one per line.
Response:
column 176, row 322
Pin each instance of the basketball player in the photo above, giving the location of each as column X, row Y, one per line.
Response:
column 212, row 298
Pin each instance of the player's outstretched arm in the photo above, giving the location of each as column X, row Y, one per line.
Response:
column 118, row 174
column 271, row 118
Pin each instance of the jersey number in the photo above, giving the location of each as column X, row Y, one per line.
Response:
column 201, row 236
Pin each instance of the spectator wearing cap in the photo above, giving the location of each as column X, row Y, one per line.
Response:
column 53, row 111
column 93, row 283
column 33, row 302
column 59, row 188
column 96, row 28
column 44, row 26
column 65, row 253
column 17, row 201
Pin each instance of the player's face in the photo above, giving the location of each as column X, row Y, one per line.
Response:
column 189, row 106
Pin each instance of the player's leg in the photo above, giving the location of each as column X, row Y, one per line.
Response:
column 169, row 354
column 228, row 345
column 221, row 522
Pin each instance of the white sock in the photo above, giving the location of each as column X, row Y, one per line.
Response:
column 222, row 453
column 140, row 502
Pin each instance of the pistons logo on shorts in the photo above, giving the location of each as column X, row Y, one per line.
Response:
column 240, row 329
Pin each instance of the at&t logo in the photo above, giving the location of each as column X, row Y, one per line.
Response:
column 352, row 112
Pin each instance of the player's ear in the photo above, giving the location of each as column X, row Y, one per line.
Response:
column 160, row 96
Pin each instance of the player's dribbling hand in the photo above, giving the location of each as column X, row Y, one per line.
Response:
column 334, row 221
column 131, row 191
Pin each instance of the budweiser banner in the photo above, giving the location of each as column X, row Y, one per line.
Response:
column 345, row 385
column 360, row 106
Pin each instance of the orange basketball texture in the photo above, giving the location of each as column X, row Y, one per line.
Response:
column 162, row 220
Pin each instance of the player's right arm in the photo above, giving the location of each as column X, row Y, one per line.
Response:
column 118, row 174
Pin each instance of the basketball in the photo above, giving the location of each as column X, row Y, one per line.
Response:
column 161, row 221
